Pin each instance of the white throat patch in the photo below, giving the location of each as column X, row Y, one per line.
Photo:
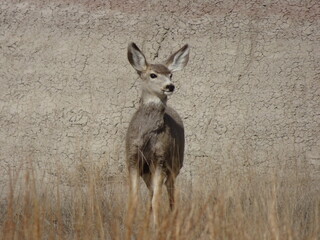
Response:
column 149, row 99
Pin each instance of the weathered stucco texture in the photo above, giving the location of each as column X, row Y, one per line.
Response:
column 249, row 97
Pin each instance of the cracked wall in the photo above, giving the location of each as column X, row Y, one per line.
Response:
column 250, row 95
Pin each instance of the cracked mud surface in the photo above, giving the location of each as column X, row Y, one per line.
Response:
column 250, row 95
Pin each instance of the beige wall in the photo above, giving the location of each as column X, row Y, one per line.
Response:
column 250, row 95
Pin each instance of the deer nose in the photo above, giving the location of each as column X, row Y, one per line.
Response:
column 170, row 87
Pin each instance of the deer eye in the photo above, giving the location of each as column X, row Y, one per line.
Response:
column 170, row 75
column 152, row 75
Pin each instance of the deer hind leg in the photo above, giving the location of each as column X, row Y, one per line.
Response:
column 157, row 182
column 170, row 188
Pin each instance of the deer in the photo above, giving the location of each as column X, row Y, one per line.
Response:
column 155, row 140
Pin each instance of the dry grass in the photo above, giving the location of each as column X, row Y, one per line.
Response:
column 247, row 206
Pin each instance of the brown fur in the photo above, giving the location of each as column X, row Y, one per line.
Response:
column 155, row 138
column 159, row 68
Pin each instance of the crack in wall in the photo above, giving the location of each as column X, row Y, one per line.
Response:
column 163, row 38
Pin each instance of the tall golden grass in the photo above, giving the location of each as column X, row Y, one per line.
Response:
column 283, row 205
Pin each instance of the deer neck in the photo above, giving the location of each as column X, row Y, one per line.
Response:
column 151, row 111
column 148, row 99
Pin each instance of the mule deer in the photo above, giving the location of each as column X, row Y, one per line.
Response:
column 155, row 137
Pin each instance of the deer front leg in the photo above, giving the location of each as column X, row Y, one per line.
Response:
column 147, row 179
column 133, row 199
column 157, row 181
column 134, row 187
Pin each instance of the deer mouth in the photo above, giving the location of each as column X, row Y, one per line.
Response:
column 167, row 92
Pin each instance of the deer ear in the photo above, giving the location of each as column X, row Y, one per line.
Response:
column 179, row 59
column 136, row 58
